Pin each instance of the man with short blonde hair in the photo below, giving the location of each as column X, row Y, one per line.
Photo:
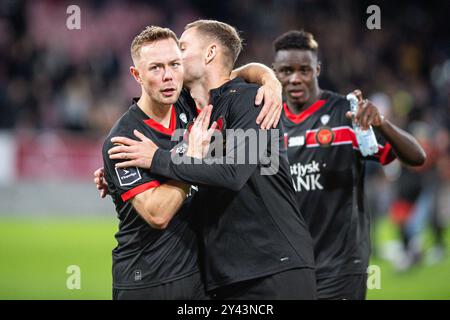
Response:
column 256, row 244
column 156, row 256
column 148, row 35
column 226, row 34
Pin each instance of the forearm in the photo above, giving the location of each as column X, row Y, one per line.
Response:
column 255, row 73
column 158, row 206
column 230, row 176
column 404, row 145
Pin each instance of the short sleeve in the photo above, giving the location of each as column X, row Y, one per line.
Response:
column 384, row 155
column 126, row 182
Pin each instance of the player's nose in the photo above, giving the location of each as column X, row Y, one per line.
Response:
column 295, row 78
column 168, row 74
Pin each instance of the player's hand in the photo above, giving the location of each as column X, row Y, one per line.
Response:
column 100, row 183
column 200, row 135
column 271, row 94
column 367, row 114
column 134, row 153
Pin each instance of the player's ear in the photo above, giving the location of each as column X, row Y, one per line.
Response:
column 211, row 52
column 318, row 68
column 135, row 73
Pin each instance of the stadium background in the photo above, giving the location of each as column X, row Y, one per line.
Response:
column 61, row 90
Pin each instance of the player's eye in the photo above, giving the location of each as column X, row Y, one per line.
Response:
column 175, row 64
column 305, row 70
column 154, row 68
column 286, row 71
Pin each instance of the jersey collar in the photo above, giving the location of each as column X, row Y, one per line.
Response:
column 302, row 116
column 160, row 128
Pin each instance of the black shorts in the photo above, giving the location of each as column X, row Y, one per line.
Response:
column 187, row 288
column 349, row 287
column 295, row 284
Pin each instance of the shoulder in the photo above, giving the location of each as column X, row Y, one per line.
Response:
column 335, row 98
column 122, row 127
column 245, row 88
column 242, row 93
column 337, row 102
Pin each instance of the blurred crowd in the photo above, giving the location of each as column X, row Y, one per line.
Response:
column 78, row 81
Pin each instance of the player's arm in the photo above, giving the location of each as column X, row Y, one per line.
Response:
column 158, row 205
column 270, row 92
column 406, row 148
column 155, row 201
column 227, row 173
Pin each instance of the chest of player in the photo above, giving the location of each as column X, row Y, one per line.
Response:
column 167, row 137
column 322, row 150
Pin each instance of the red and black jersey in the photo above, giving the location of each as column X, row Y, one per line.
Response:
column 145, row 256
column 249, row 221
column 327, row 171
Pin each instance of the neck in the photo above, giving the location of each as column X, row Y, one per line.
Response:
column 298, row 108
column 156, row 111
column 199, row 89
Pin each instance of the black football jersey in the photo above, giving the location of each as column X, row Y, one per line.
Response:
column 327, row 172
column 250, row 224
column 145, row 256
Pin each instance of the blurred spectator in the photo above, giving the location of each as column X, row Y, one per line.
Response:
column 416, row 204
column 52, row 78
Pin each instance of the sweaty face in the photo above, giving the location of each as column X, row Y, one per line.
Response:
column 161, row 71
column 193, row 48
column 297, row 71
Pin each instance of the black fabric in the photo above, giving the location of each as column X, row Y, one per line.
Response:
column 295, row 284
column 187, row 288
column 329, row 182
column 251, row 226
column 144, row 256
column 350, row 287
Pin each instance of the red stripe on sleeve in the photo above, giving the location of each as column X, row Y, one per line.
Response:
column 386, row 156
column 139, row 189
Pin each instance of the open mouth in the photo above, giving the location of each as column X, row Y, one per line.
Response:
column 168, row 92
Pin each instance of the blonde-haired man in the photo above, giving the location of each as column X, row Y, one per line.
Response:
column 157, row 254
column 255, row 240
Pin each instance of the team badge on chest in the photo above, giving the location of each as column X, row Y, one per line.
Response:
column 324, row 136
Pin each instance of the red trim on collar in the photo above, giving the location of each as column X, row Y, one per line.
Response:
column 302, row 116
column 159, row 127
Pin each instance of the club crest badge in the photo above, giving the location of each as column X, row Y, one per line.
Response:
column 324, row 136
